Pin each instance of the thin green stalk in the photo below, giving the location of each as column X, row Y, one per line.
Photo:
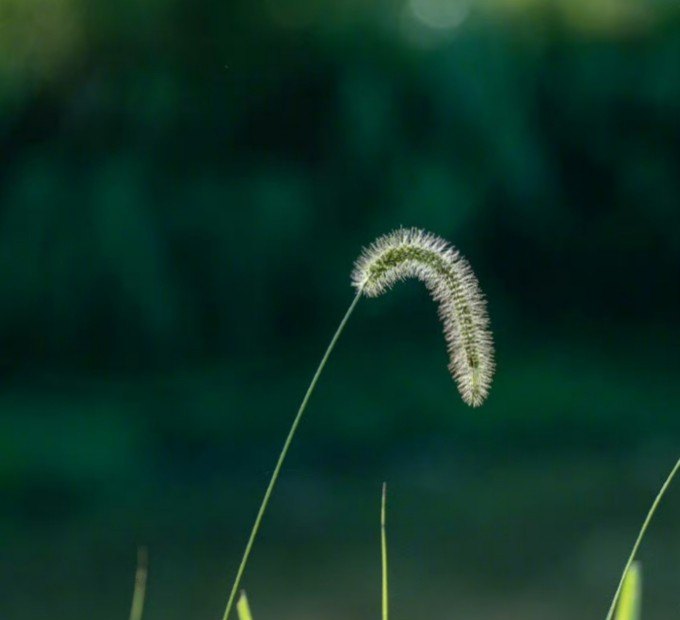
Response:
column 383, row 547
column 139, row 594
column 641, row 535
column 282, row 455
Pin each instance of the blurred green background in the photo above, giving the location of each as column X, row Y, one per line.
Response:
column 183, row 189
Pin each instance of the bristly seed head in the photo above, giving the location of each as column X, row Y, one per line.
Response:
column 413, row 253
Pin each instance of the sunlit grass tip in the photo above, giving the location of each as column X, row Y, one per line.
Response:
column 630, row 600
column 243, row 608
column 139, row 593
column 413, row 253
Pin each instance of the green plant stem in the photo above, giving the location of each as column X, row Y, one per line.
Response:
column 282, row 455
column 383, row 548
column 137, row 607
column 641, row 535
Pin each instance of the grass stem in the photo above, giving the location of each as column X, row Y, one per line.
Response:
column 383, row 547
column 641, row 535
column 282, row 456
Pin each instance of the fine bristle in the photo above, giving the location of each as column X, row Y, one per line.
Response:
column 413, row 253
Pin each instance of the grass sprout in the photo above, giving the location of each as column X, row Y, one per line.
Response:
column 139, row 593
column 242, row 608
column 631, row 594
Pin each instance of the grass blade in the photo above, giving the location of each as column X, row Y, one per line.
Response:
column 139, row 594
column 631, row 594
column 383, row 547
column 243, row 609
column 641, row 535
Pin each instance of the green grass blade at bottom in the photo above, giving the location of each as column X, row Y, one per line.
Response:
column 631, row 594
column 139, row 594
column 383, row 550
column 243, row 609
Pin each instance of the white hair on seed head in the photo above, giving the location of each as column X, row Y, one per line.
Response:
column 413, row 253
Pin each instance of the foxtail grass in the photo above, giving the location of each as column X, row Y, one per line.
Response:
column 412, row 253
column 399, row 255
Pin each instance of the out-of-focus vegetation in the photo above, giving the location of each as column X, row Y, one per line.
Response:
column 183, row 188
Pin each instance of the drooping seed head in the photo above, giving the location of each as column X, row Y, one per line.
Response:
column 413, row 253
